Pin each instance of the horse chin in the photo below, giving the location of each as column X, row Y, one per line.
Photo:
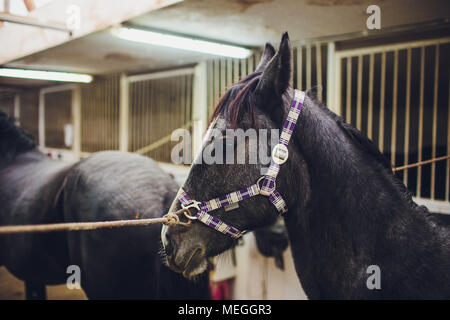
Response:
column 196, row 264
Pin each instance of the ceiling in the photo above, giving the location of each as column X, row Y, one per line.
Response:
column 245, row 22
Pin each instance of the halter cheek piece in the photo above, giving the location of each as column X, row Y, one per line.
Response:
column 266, row 185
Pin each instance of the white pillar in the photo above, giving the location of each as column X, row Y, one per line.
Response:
column 333, row 73
column 41, row 122
column 200, row 106
column 123, row 113
column 76, row 118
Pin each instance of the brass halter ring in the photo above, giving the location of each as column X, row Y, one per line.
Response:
column 194, row 204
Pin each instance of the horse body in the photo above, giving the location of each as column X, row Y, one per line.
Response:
column 29, row 196
column 115, row 263
column 114, row 186
column 347, row 210
column 358, row 214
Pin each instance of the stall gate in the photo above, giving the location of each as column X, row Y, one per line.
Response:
column 399, row 96
column 158, row 104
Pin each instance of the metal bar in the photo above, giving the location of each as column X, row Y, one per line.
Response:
column 407, row 113
column 331, row 70
column 300, row 68
column 229, row 72
column 348, row 115
column 243, row 68
column 337, row 85
column 382, row 93
column 217, row 80
column 41, row 128
column 319, row 69
column 124, row 114
column 16, row 112
column 29, row 21
column 434, row 134
column 359, row 95
column 394, row 110
column 420, row 144
column 235, row 70
column 421, row 163
column 392, row 47
column 447, row 174
column 308, row 66
column 370, row 98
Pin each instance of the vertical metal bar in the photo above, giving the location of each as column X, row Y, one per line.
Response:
column 211, row 102
column 308, row 66
column 331, row 71
column 319, row 70
column 123, row 114
column 435, row 105
column 337, row 84
column 76, row 118
column 235, row 70
column 407, row 114
column 382, row 93
column 229, row 72
column 223, row 70
column 216, row 80
column 370, row 102
column 300, row 67
column 359, row 94
column 447, row 174
column 250, row 67
column 243, row 68
column 348, row 116
column 394, row 110
column 41, row 122
column 16, row 112
column 420, row 144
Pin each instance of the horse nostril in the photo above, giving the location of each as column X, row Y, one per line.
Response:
column 168, row 248
column 167, row 243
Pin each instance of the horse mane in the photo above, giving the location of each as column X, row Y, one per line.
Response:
column 366, row 145
column 238, row 99
column 13, row 140
column 357, row 137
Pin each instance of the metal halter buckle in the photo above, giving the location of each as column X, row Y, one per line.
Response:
column 280, row 154
column 194, row 204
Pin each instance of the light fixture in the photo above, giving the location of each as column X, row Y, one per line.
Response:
column 179, row 42
column 45, row 75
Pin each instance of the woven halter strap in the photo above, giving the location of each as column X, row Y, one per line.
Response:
column 265, row 186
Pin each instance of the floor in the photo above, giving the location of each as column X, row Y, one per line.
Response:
column 12, row 288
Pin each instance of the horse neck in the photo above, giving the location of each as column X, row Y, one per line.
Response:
column 354, row 205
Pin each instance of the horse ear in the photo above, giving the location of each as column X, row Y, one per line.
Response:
column 278, row 75
column 269, row 52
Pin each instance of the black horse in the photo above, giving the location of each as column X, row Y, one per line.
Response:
column 115, row 263
column 347, row 210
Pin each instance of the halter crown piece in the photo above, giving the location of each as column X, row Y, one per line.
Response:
column 268, row 181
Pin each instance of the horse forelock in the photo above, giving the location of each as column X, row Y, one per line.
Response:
column 237, row 100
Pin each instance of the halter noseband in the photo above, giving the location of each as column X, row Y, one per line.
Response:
column 268, row 181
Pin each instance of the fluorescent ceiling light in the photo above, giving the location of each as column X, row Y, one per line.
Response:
column 45, row 75
column 179, row 42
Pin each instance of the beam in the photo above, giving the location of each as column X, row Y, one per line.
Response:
column 30, row 21
column 93, row 16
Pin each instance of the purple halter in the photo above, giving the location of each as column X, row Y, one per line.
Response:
column 268, row 186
